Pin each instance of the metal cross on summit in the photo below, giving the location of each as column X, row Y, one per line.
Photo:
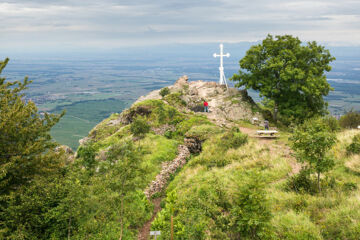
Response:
column 222, row 80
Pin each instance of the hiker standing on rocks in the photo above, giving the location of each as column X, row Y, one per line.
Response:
column 266, row 124
column 206, row 106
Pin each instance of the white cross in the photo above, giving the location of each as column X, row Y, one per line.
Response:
column 222, row 80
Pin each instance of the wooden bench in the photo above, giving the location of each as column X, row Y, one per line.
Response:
column 270, row 133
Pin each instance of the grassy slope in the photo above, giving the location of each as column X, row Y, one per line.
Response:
column 202, row 193
column 333, row 214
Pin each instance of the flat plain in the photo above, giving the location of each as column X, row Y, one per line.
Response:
column 90, row 90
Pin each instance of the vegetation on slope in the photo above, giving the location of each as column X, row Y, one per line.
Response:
column 203, row 196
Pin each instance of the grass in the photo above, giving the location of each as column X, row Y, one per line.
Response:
column 333, row 214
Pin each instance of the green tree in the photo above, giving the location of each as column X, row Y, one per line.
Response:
column 251, row 214
column 125, row 176
column 350, row 120
column 312, row 140
column 24, row 137
column 31, row 168
column 289, row 74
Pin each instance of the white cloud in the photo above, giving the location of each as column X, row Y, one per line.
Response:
column 114, row 23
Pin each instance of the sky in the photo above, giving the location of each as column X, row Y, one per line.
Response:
column 105, row 24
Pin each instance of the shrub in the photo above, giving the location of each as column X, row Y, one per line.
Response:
column 186, row 125
column 349, row 186
column 164, row 91
column 350, row 120
column 175, row 99
column 87, row 153
column 311, row 141
column 301, row 183
column 233, row 139
column 251, row 214
column 332, row 123
column 139, row 127
column 354, row 147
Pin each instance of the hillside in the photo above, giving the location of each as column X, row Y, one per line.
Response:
column 164, row 157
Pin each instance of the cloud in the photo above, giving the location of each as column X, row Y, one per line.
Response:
column 116, row 23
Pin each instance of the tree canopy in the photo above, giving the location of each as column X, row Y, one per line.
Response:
column 30, row 165
column 24, row 134
column 289, row 74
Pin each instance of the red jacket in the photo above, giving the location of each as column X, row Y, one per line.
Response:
column 206, row 104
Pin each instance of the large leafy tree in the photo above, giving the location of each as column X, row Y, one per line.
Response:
column 289, row 74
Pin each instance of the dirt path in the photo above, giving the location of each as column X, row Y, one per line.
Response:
column 144, row 232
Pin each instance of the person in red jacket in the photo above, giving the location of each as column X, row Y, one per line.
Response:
column 206, row 106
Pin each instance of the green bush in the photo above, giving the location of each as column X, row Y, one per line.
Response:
column 233, row 139
column 354, row 147
column 250, row 215
column 312, row 141
column 87, row 153
column 139, row 127
column 174, row 99
column 164, row 91
column 350, row 120
column 332, row 123
column 187, row 124
column 301, row 183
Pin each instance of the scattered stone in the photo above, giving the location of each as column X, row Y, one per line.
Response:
column 162, row 129
column 193, row 144
column 84, row 140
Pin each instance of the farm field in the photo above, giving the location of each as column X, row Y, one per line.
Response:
column 90, row 90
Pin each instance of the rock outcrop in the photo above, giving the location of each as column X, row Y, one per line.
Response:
column 224, row 104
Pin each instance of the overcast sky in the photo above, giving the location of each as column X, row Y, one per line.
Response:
column 106, row 24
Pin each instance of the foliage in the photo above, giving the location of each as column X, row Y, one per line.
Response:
column 295, row 226
column 301, row 183
column 233, row 139
column 87, row 154
column 164, row 91
column 332, row 123
column 311, row 141
column 31, row 169
column 187, row 124
column 24, row 136
column 350, row 120
column 289, row 73
column 354, row 147
column 139, row 127
column 251, row 214
column 174, row 99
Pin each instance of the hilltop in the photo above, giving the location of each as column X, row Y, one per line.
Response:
column 201, row 167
